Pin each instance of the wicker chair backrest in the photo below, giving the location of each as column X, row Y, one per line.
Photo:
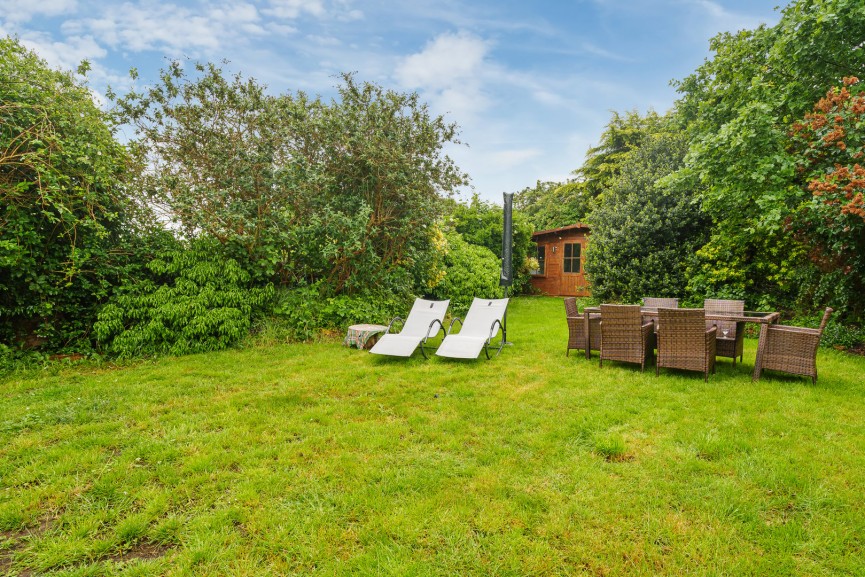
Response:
column 823, row 322
column 722, row 307
column 656, row 303
column 682, row 330
column 571, row 307
column 624, row 320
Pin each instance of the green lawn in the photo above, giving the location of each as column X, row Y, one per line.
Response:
column 313, row 458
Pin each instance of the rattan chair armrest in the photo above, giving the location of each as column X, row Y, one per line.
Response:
column 647, row 329
column 797, row 330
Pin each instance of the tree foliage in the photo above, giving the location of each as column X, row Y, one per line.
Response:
column 829, row 148
column 482, row 224
column 739, row 105
column 622, row 135
column 64, row 213
column 554, row 204
column 646, row 230
column 294, row 188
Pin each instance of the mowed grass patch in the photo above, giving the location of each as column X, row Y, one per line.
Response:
column 315, row 458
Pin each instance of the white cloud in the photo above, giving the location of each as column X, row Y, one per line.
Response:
column 66, row 55
column 515, row 156
column 447, row 60
column 324, row 40
column 450, row 71
column 149, row 26
column 25, row 10
column 719, row 19
column 291, row 9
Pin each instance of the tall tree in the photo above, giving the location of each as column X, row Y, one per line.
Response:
column 552, row 205
column 296, row 188
column 63, row 209
column 739, row 105
column 646, row 230
column 829, row 150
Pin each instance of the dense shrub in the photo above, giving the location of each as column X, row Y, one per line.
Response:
column 481, row 223
column 646, row 231
column 304, row 311
column 829, row 144
column 197, row 301
column 739, row 105
column 63, row 211
column 471, row 271
column 296, row 189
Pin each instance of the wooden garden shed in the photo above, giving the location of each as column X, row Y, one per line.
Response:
column 562, row 258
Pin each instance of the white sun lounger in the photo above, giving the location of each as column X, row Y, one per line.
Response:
column 482, row 323
column 416, row 329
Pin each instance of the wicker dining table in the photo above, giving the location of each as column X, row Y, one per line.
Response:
column 763, row 318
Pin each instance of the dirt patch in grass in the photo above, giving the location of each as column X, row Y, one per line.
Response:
column 6, row 554
column 857, row 350
column 144, row 551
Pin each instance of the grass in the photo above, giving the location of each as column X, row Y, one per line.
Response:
column 313, row 458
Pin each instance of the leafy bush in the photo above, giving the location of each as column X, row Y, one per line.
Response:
column 13, row 359
column 842, row 336
column 481, row 223
column 646, row 230
column 471, row 271
column 303, row 311
column 63, row 211
column 828, row 148
column 197, row 302
column 299, row 189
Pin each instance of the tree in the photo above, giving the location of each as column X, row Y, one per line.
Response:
column 64, row 214
column 294, row 188
column 829, row 147
column 646, row 231
column 739, row 105
column 553, row 204
column 620, row 138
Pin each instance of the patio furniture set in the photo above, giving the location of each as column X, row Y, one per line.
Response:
column 691, row 339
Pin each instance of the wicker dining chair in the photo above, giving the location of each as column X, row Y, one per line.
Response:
column 624, row 336
column 684, row 342
column 656, row 303
column 576, row 328
column 791, row 349
column 731, row 335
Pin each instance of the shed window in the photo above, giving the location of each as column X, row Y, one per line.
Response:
column 541, row 256
column 572, row 257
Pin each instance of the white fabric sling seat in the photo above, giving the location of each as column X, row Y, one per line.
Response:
column 417, row 329
column 482, row 323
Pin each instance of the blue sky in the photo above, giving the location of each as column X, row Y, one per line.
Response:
column 531, row 83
